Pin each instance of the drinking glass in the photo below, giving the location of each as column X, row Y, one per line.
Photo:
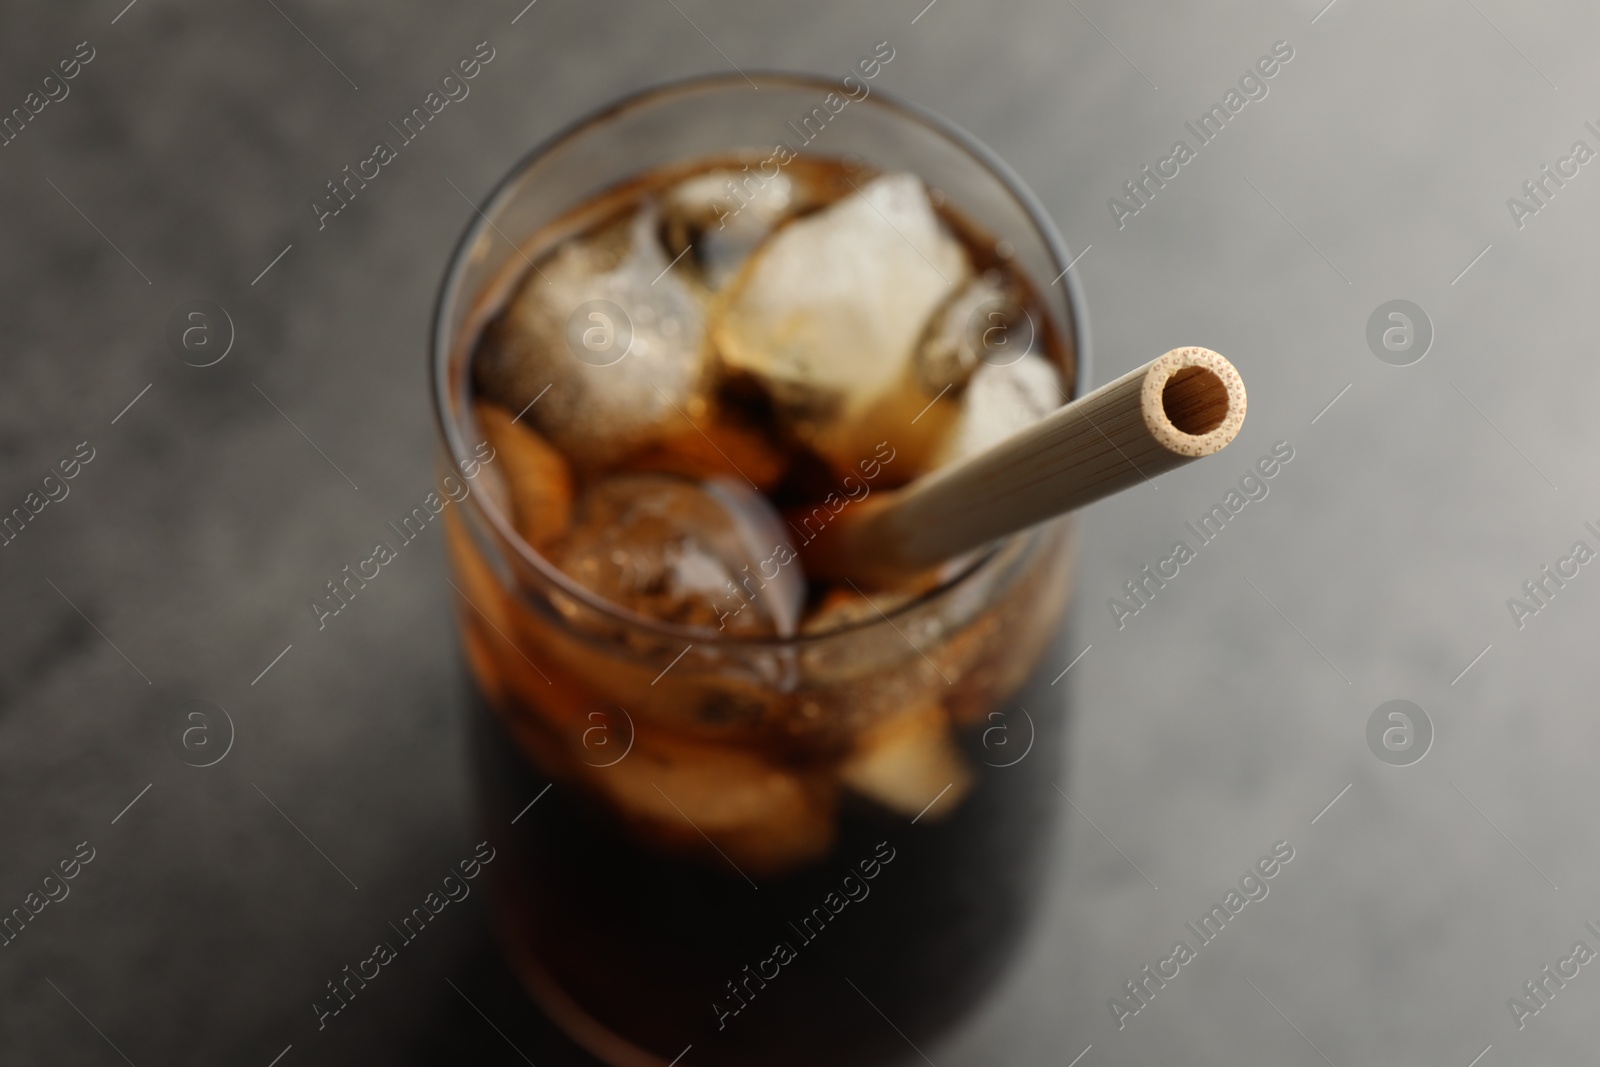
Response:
column 681, row 869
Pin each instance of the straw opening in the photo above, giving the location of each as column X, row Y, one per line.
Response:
column 1195, row 400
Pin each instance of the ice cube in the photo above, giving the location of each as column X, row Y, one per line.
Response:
column 614, row 335
column 722, row 215
column 827, row 314
column 908, row 762
column 983, row 322
column 531, row 481
column 712, row 555
column 1001, row 399
column 689, row 796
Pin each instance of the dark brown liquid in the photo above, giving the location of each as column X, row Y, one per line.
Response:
column 881, row 930
column 647, row 943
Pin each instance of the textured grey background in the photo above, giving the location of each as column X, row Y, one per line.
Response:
column 1209, row 728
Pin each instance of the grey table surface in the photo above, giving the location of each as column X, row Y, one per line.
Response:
column 1223, row 718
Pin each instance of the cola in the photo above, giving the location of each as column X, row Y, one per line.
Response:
column 744, row 815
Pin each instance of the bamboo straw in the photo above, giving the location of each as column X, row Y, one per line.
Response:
column 1173, row 410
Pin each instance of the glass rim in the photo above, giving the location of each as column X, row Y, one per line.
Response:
column 441, row 342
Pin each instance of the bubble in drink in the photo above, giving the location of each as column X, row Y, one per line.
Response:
column 604, row 341
column 698, row 555
column 828, row 312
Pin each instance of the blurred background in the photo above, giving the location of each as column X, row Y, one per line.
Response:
column 1232, row 713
